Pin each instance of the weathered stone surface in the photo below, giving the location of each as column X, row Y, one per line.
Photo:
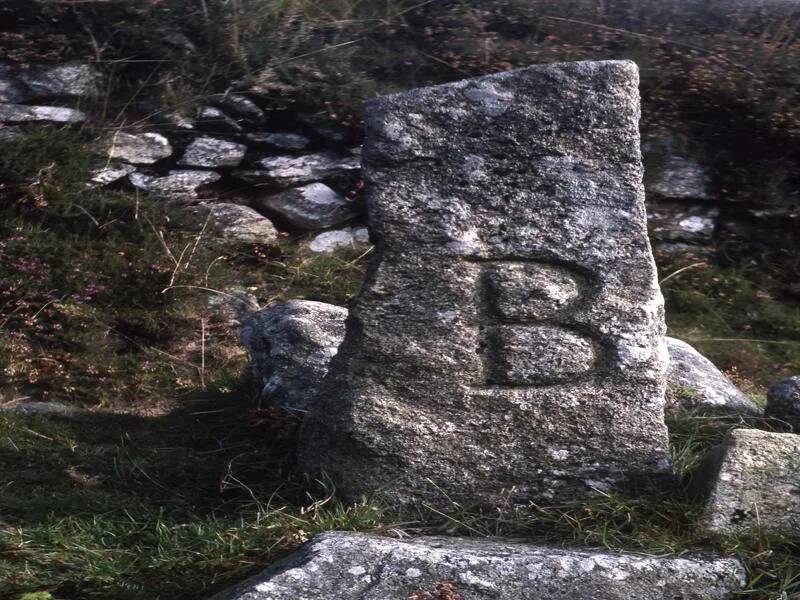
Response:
column 755, row 484
column 289, row 170
column 353, row 566
column 291, row 345
column 681, row 179
column 110, row 174
column 313, row 206
column 20, row 113
column 694, row 382
column 783, row 400
column 232, row 306
column 516, row 187
column 284, row 141
column 70, row 80
column 238, row 105
column 177, row 184
column 330, row 241
column 213, row 152
column 139, row 148
column 241, row 223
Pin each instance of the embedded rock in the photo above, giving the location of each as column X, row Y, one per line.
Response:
column 241, row 224
column 177, row 184
column 783, row 400
column 682, row 179
column 355, row 566
column 291, row 345
column 507, row 345
column 232, row 306
column 238, row 105
column 287, row 171
column 217, row 121
column 313, row 206
column 284, row 141
column 330, row 241
column 755, row 484
column 110, row 174
column 139, row 148
column 213, row 152
column 20, row 113
column 693, row 382
column 672, row 224
column 71, row 80
column 39, row 408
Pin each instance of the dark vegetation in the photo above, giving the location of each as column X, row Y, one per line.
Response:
column 176, row 483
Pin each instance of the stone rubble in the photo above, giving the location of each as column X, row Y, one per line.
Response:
column 313, row 206
column 238, row 105
column 682, row 179
column 291, row 345
column 139, row 148
column 693, row 382
column 213, row 153
column 110, row 174
column 282, row 141
column 286, row 171
column 754, row 480
column 20, row 113
column 354, row 566
column 241, row 223
column 178, row 184
column 507, row 344
column 68, row 80
column 218, row 121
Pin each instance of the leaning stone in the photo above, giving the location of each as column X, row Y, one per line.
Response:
column 218, row 121
column 213, row 152
column 755, row 484
column 355, row 566
column 232, row 306
column 507, row 345
column 177, row 184
column 139, row 148
column 330, row 241
column 242, row 224
column 682, row 179
column 110, row 174
column 313, row 206
column 693, row 382
column 238, row 105
column 287, row 171
column 291, row 345
column 20, row 113
column 783, row 400
column 38, row 408
column 284, row 141
column 72, row 80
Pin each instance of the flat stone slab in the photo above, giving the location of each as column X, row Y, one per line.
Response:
column 289, row 171
column 177, row 184
column 352, row 566
column 70, row 80
column 21, row 113
column 213, row 153
column 139, row 148
column 755, row 484
column 507, row 345
column 313, row 206
column 695, row 383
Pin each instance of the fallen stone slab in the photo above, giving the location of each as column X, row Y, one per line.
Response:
column 330, row 241
column 783, row 400
column 681, row 179
column 286, row 171
column 313, row 206
column 693, row 382
column 283, row 141
column 754, row 481
column 507, row 344
column 353, row 566
column 21, row 113
column 213, row 152
column 110, row 174
column 290, row 346
column 177, row 184
column 242, row 224
column 68, row 80
column 139, row 148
